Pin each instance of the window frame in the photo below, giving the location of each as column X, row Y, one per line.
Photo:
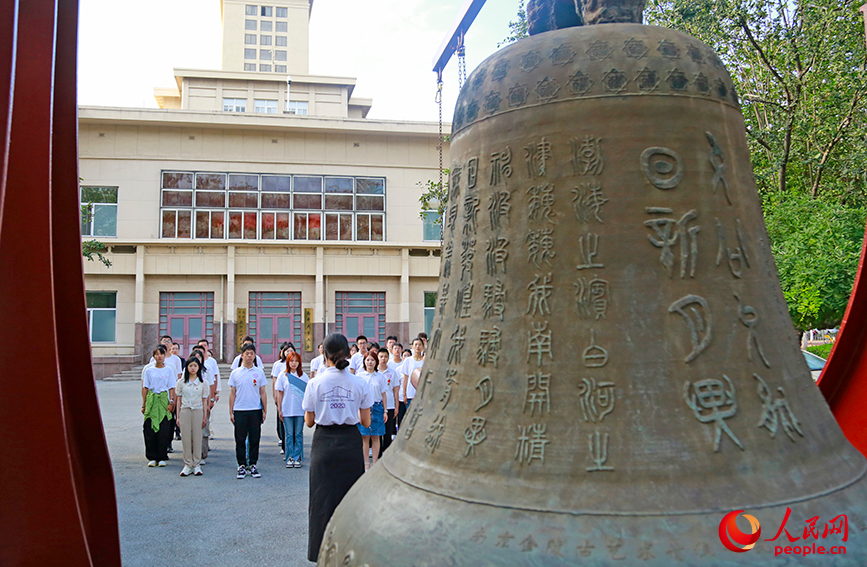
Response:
column 297, row 107
column 95, row 208
column 91, row 310
column 250, row 39
column 269, row 108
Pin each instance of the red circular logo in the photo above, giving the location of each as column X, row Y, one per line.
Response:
column 730, row 534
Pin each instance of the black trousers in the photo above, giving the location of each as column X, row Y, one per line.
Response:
column 248, row 424
column 157, row 442
column 400, row 413
column 281, row 431
column 390, row 429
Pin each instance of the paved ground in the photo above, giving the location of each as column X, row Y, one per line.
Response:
column 213, row 519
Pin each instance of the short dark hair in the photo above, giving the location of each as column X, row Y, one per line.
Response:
column 198, row 347
column 397, row 345
column 417, row 339
column 390, row 338
column 374, row 344
column 169, row 337
column 248, row 346
column 406, row 351
column 200, row 341
column 162, row 348
column 176, row 344
column 248, row 339
column 422, row 336
column 359, row 337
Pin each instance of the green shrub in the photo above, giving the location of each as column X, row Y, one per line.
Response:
column 821, row 350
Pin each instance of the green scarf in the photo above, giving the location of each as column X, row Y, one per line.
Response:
column 156, row 408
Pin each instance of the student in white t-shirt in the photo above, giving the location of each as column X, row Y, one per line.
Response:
column 376, row 382
column 276, row 369
column 392, row 383
column 248, row 405
column 210, row 379
column 317, row 363
column 356, row 362
column 336, row 401
column 401, row 411
column 291, row 385
column 410, row 364
column 157, row 403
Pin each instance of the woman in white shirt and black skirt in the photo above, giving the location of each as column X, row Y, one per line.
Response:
column 336, row 401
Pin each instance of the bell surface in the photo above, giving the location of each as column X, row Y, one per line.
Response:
column 612, row 369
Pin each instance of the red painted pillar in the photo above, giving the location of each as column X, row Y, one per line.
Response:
column 57, row 501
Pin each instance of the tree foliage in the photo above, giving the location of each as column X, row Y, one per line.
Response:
column 92, row 249
column 434, row 198
column 519, row 28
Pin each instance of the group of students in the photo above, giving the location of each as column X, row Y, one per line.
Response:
column 356, row 397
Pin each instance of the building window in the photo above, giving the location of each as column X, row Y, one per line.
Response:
column 236, row 104
column 430, row 304
column 249, row 53
column 249, row 24
column 265, row 26
column 250, row 39
column 360, row 314
column 296, row 107
column 265, row 55
column 264, row 40
column 431, row 230
column 280, row 55
column 279, row 68
column 187, row 317
column 264, row 68
column 274, row 318
column 280, row 41
column 282, row 12
column 267, row 11
column 281, row 27
column 101, row 203
column 250, row 206
column 266, row 106
column 251, row 10
column 249, row 66
column 102, row 316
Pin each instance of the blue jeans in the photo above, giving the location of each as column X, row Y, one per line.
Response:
column 294, row 429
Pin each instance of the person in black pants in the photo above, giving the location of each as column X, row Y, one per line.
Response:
column 247, row 408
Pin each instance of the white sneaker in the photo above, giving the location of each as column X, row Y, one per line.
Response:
column 186, row 471
column 161, row 464
column 298, row 464
column 282, row 452
column 152, row 463
column 197, row 471
column 203, row 462
column 290, row 463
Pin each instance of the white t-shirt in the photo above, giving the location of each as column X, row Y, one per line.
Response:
column 406, row 369
column 376, row 383
column 291, row 403
column 356, row 363
column 213, row 370
column 317, row 364
column 247, row 382
column 277, row 368
column 207, row 376
column 173, row 361
column 336, row 396
column 159, row 380
column 391, row 380
column 237, row 362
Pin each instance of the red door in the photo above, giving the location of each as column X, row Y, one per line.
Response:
column 273, row 319
column 187, row 317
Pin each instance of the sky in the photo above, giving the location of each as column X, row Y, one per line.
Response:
column 128, row 48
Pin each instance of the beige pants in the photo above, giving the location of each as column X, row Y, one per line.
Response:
column 205, row 445
column 190, row 422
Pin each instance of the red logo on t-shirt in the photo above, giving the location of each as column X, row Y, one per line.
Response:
column 254, row 381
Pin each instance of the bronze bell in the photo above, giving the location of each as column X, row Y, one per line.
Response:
column 612, row 369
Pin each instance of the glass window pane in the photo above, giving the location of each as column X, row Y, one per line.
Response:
column 103, row 325
column 430, row 299
column 338, row 202
column 314, row 222
column 264, row 40
column 195, row 328
column 203, row 224
column 284, row 328
column 280, row 40
column 283, row 226
column 345, row 227
column 308, row 201
column 266, row 328
column 431, row 230
column 308, row 184
column 280, row 55
column 248, row 67
column 369, row 327
column 250, row 39
column 216, row 181
column 332, row 229
column 265, row 54
column 280, row 26
column 277, row 183
column 210, row 199
column 243, row 182
column 105, row 220
column 428, row 319
column 268, row 226
column 101, row 299
column 177, row 198
column 87, row 222
column 169, row 224
column 250, row 10
column 300, row 226
column 244, row 200
column 184, row 224
column 376, row 231
column 249, row 24
column 235, row 219
column 370, row 203
column 276, row 201
column 282, row 12
column 264, row 69
column 370, row 186
column 362, row 227
column 177, row 329
column 174, row 180
column 338, row 185
column 99, row 194
column 218, row 220
column 250, row 226
column 249, row 54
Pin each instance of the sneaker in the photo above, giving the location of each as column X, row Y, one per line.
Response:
column 152, row 463
column 282, row 452
column 242, row 472
column 298, row 464
column 290, row 463
column 170, row 450
column 161, row 464
column 197, row 471
column 254, row 472
column 186, row 471
column 203, row 462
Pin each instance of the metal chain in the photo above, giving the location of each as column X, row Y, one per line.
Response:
column 439, row 101
column 462, row 67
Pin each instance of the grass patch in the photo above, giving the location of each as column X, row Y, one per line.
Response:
column 821, row 350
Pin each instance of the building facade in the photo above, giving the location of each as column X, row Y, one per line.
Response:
column 255, row 203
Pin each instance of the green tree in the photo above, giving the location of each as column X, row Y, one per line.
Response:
column 517, row 29
column 91, row 249
column 434, row 199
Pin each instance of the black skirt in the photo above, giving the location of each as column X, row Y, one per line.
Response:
column 336, row 463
